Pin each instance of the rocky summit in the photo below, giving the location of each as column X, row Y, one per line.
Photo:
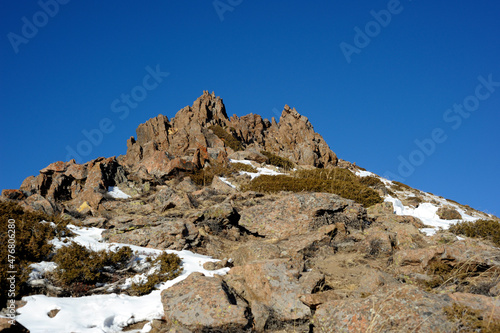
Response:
column 299, row 240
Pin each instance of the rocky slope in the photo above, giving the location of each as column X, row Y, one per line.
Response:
column 300, row 261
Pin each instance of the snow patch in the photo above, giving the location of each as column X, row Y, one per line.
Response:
column 103, row 313
column 116, row 193
column 224, row 180
column 426, row 212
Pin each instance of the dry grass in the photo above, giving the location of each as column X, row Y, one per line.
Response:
column 486, row 229
column 278, row 161
column 230, row 140
column 169, row 267
column 335, row 180
column 31, row 244
column 470, row 320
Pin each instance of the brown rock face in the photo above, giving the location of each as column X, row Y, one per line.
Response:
column 204, row 302
column 448, row 213
column 401, row 309
column 300, row 213
column 269, row 284
column 188, row 133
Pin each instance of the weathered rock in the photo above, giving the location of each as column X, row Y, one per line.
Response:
column 201, row 302
column 470, row 252
column 447, row 213
column 402, row 309
column 271, row 288
column 219, row 185
column 56, row 167
column 7, row 326
column 37, row 202
column 488, row 307
column 159, row 233
column 187, row 185
column 249, row 154
column 299, row 213
column 188, row 134
column 256, row 250
column 13, row 194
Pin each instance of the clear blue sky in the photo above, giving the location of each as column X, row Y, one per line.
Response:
column 259, row 56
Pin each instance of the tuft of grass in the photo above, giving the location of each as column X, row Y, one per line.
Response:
column 31, row 244
column 80, row 266
column 371, row 181
column 230, row 140
column 204, row 177
column 470, row 320
column 486, row 229
column 278, row 161
column 169, row 267
column 236, row 167
column 398, row 186
column 336, row 180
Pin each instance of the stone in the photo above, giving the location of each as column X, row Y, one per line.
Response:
column 7, row 326
column 253, row 251
column 13, row 194
column 201, row 302
column 299, row 213
column 447, row 213
column 187, row 185
column 272, row 288
column 38, row 203
column 488, row 307
column 249, row 154
column 219, row 185
column 55, row 167
column 401, row 309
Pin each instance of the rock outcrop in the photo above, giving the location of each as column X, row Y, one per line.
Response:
column 189, row 131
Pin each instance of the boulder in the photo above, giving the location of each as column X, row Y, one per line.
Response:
column 487, row 307
column 201, row 302
column 249, row 154
column 13, row 194
column 447, row 213
column 38, row 203
column 220, row 185
column 400, row 309
column 272, row 289
column 299, row 213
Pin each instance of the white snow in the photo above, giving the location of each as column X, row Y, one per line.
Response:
column 267, row 170
column 103, row 313
column 116, row 193
column 363, row 173
column 227, row 182
column 40, row 269
column 426, row 212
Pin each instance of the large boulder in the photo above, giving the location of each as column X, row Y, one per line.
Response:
column 396, row 309
column 200, row 302
column 272, row 289
column 299, row 213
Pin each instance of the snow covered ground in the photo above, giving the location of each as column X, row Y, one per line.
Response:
column 425, row 211
column 101, row 313
column 116, row 193
column 267, row 170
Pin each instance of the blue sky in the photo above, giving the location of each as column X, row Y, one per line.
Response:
column 372, row 76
